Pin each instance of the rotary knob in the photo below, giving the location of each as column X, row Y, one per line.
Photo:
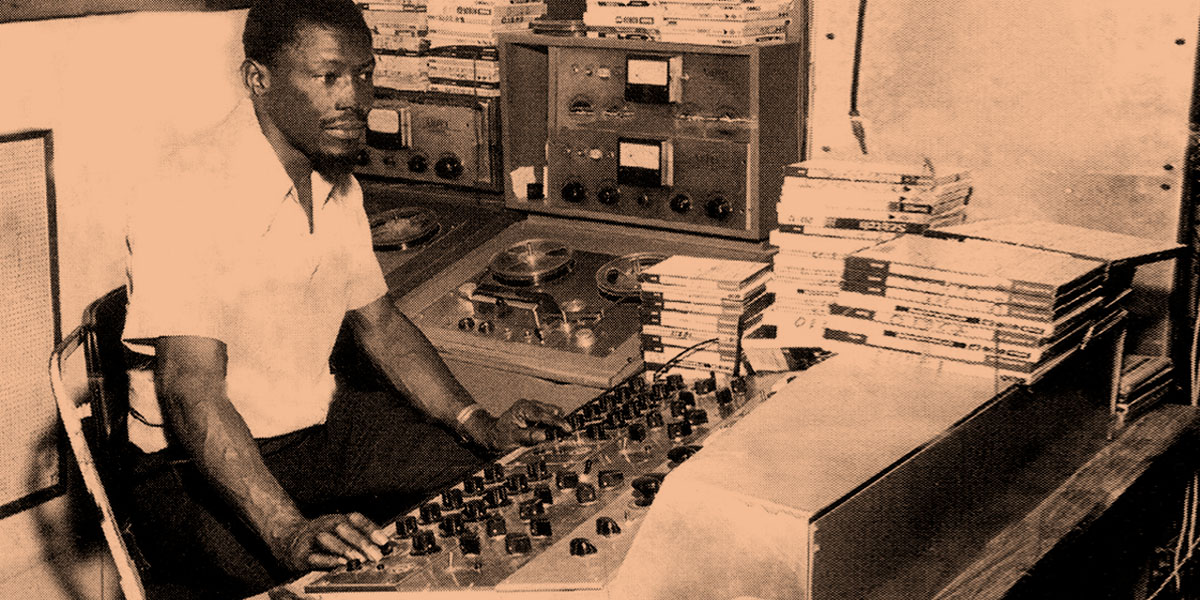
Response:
column 363, row 158
column 718, row 208
column 582, row 547
column 448, row 167
column 681, row 203
column 609, row 196
column 606, row 526
column 417, row 163
column 644, row 201
column 466, row 324
column 574, row 192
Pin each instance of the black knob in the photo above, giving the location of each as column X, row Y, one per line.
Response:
column 654, row 420
column 609, row 196
column 530, row 509
column 451, row 525
column 643, row 200
column 566, row 480
column 517, row 543
column 697, row 416
column 609, row 478
column 637, row 432
column 678, row 408
column 737, row 385
column 496, row 526
column 606, row 526
column 473, row 486
column 675, row 381
column 645, row 488
column 518, row 483
column 679, row 454
column 363, row 158
column 574, row 192
column 388, row 160
column 614, row 420
column 688, row 398
column 496, row 497
column 582, row 547
column 430, row 513
column 540, row 527
column 474, row 511
column 718, row 208
column 469, row 544
column 417, row 163
column 424, row 543
column 448, row 167
column 466, row 323
column 679, row 430
column 537, row 471
column 543, row 494
column 452, row 499
column 595, row 431
column 724, row 396
column 387, row 549
column 577, row 420
column 585, row 493
column 407, row 527
column 353, row 564
column 486, row 327
column 493, row 473
column 681, row 203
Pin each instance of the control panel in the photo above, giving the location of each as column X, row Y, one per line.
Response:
column 432, row 137
column 557, row 516
column 683, row 137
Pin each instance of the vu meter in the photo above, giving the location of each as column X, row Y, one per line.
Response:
column 676, row 136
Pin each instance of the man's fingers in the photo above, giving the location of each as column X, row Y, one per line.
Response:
column 529, row 411
column 334, row 545
column 369, row 528
column 355, row 538
column 320, row 560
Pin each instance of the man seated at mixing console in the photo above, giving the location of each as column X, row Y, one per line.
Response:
column 244, row 260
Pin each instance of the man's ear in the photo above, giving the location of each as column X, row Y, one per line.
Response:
column 256, row 77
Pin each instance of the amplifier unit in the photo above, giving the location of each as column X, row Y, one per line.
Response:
column 432, row 137
column 677, row 136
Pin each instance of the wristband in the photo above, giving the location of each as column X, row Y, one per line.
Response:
column 467, row 412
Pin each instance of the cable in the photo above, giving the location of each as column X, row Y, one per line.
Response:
column 856, row 123
column 680, row 356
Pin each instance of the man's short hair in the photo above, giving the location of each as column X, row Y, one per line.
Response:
column 272, row 24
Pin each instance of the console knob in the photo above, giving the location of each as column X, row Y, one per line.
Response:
column 486, row 327
column 363, row 158
column 407, row 527
column 430, row 513
column 452, row 499
column 451, row 525
column 724, row 396
column 493, row 473
column 609, row 196
column 517, row 543
column 718, row 208
column 566, row 480
column 643, row 200
column 388, row 160
column 697, row 416
column 473, row 486
column 582, row 547
column 687, row 398
column 543, row 494
column 574, row 192
column 530, row 509
column 646, row 487
column 353, row 564
column 496, row 526
column 424, row 543
column 654, row 420
column 609, row 478
column 469, row 544
column 518, row 483
column 537, row 471
column 466, row 323
column 448, row 167
column 679, row 454
column 637, row 432
column 417, row 163
column 474, row 511
column 679, row 430
column 681, row 203
column 540, row 527
column 606, row 526
column 585, row 493
column 496, row 497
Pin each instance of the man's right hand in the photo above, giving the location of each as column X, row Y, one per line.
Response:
column 328, row 541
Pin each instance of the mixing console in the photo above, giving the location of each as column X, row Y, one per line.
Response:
column 557, row 516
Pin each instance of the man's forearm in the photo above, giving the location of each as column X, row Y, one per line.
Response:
column 410, row 361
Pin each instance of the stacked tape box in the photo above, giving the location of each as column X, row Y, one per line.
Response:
column 709, row 22
column 399, row 34
column 828, row 210
column 694, row 310
column 987, row 307
column 463, row 56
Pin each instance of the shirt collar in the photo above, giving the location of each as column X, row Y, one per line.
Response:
column 272, row 186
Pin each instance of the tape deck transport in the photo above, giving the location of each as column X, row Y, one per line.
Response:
column 449, row 139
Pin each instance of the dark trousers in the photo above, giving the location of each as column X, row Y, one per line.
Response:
column 375, row 454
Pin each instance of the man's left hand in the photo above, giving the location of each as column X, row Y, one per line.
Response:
column 523, row 424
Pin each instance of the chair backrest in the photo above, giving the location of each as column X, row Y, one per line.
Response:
column 94, row 422
column 108, row 378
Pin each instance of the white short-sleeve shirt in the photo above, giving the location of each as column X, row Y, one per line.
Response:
column 220, row 247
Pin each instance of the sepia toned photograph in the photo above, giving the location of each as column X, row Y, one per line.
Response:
column 599, row 300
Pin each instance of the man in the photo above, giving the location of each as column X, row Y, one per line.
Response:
column 243, row 262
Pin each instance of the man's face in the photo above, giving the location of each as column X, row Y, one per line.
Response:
column 320, row 93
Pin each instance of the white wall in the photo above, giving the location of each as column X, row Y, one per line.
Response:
column 115, row 90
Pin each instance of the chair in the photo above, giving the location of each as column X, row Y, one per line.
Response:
column 95, row 422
